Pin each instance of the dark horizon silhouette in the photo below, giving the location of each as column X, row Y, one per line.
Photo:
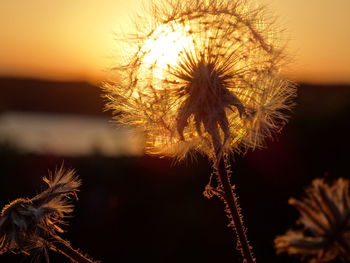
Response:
column 21, row 94
column 79, row 97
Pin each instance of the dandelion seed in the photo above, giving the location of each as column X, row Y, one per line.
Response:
column 202, row 71
column 28, row 225
column 325, row 221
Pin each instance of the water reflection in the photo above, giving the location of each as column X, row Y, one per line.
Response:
column 68, row 135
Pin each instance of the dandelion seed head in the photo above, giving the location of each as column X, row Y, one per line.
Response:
column 198, row 72
column 324, row 234
column 25, row 224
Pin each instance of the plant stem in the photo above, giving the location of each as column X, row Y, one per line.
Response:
column 62, row 246
column 232, row 206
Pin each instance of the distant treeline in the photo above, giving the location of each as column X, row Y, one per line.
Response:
column 83, row 98
column 50, row 96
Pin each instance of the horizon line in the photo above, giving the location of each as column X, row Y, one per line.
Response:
column 97, row 82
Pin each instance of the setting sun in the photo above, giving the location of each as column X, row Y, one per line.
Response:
column 162, row 49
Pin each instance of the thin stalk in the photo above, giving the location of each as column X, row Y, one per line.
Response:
column 62, row 246
column 232, row 206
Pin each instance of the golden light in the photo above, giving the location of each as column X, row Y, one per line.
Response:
column 162, row 49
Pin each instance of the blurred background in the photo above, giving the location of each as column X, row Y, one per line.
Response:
column 136, row 208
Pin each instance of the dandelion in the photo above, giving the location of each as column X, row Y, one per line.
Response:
column 203, row 76
column 325, row 222
column 201, row 71
column 28, row 225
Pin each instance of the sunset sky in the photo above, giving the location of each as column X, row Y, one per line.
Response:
column 75, row 40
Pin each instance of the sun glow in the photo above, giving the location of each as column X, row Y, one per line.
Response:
column 162, row 49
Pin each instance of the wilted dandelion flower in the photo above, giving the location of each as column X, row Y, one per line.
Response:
column 28, row 225
column 202, row 72
column 325, row 221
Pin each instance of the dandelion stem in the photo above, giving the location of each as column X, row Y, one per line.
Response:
column 232, row 207
column 62, row 246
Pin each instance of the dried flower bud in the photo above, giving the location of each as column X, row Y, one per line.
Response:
column 202, row 72
column 27, row 224
column 325, row 218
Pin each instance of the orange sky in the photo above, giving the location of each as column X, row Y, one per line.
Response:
column 74, row 39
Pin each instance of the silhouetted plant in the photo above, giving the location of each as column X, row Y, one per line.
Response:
column 32, row 225
column 203, row 76
column 324, row 233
